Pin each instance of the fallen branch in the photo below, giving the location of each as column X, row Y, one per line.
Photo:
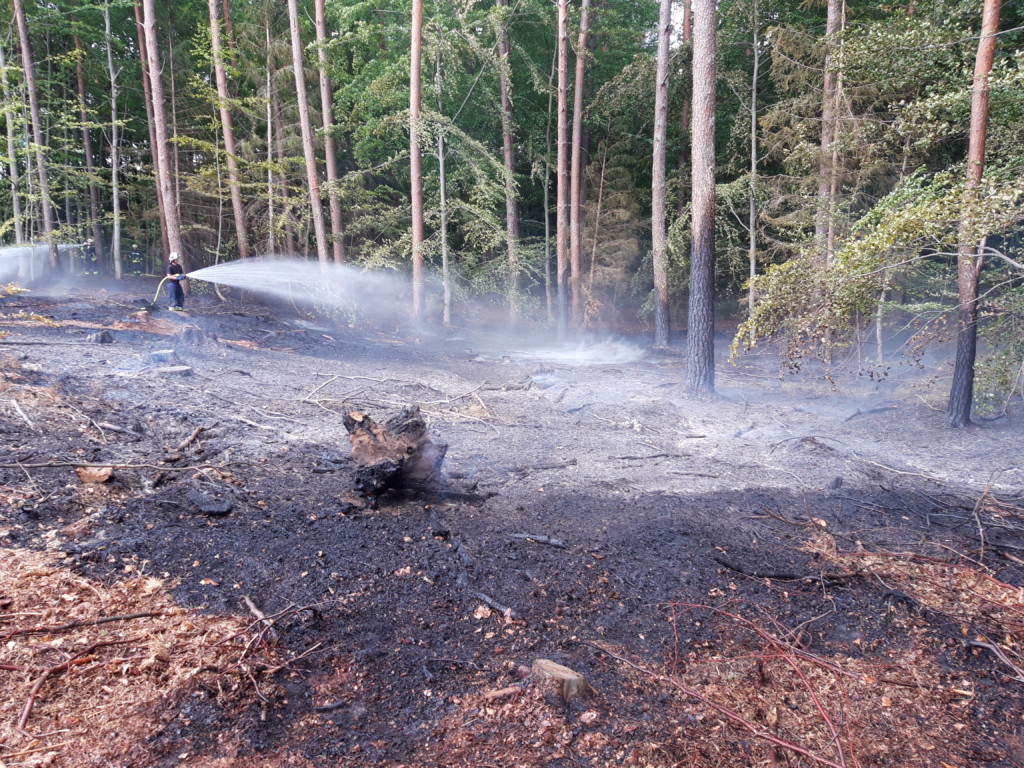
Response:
column 82, row 623
column 22, row 414
column 1018, row 672
column 82, row 657
column 260, row 615
column 869, row 411
column 527, row 468
column 485, row 598
column 189, row 440
column 161, row 467
column 540, row 539
column 729, row 714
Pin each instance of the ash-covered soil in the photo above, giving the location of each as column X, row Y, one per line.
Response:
column 587, row 502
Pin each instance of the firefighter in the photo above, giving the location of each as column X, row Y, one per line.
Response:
column 175, row 275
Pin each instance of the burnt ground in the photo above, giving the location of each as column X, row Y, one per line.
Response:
column 789, row 573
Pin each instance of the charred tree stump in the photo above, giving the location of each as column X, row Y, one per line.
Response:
column 398, row 453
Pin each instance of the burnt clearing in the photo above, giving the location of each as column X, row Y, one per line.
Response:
column 786, row 574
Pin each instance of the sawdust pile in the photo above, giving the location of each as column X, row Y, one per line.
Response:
column 90, row 674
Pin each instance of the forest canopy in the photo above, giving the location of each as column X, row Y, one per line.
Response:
column 849, row 206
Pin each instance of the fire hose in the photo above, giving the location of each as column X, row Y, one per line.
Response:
column 156, row 296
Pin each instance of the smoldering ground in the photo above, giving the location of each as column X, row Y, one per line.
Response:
column 831, row 526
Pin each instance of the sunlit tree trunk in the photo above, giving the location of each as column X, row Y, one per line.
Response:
column 562, row 174
column 576, row 175
column 969, row 260
column 330, row 151
column 228, row 129
column 550, row 290
column 115, row 147
column 508, row 146
column 700, row 357
column 37, row 133
column 415, row 164
column 305, row 126
column 90, row 163
column 12, row 158
column 658, row 234
column 828, row 156
column 161, row 149
column 147, row 89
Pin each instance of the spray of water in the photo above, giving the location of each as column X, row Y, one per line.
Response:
column 588, row 352
column 339, row 286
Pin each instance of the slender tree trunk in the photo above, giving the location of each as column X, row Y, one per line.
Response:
column 576, row 175
column 147, row 89
column 161, row 149
column 508, row 145
column 658, row 234
column 752, row 210
column 37, row 134
column 969, row 260
column 415, row 165
column 115, row 147
column 289, row 228
column 229, row 31
column 330, row 152
column 829, row 120
column 312, row 177
column 684, row 115
column 549, row 287
column 271, row 242
column 700, row 359
column 597, row 218
column 90, row 163
column 228, row 128
column 12, row 157
column 442, row 180
column 562, row 174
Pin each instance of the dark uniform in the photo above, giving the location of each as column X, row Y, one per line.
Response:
column 175, row 274
column 135, row 259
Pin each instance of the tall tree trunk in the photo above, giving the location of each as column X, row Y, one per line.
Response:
column 658, row 234
column 271, row 242
column 227, row 125
column 752, row 209
column 37, row 134
column 562, row 174
column 12, row 158
column 90, row 163
column 508, row 145
column 829, row 123
column 415, row 165
column 161, row 149
column 549, row 288
column 115, row 147
column 576, row 174
column 700, row 356
column 969, row 259
column 313, row 179
column 330, row 152
column 289, row 228
column 684, row 115
column 147, row 89
column 442, row 182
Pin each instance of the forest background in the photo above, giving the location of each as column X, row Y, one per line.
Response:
column 546, row 160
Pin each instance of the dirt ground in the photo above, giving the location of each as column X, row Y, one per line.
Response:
column 787, row 574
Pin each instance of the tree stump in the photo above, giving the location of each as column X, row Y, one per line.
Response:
column 394, row 454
